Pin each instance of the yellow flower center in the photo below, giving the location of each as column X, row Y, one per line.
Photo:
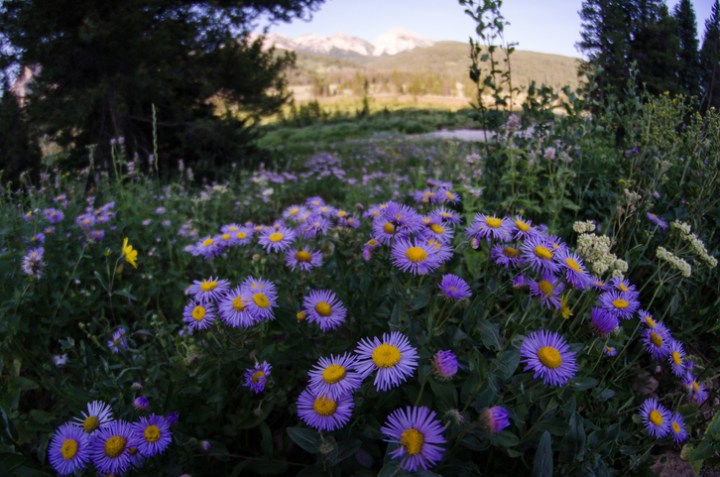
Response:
column 333, row 373
column 695, row 386
column 549, row 357
column 493, row 222
column 241, row 235
column 69, row 449
column 199, row 313
column 656, row 339
column 208, row 286
column 438, row 229
column 238, row 303
column 620, row 303
column 152, row 434
column 115, row 446
column 676, row 428
column 257, row 377
column 294, row 211
column 207, row 242
column 323, row 308
column 656, row 417
column 543, row 252
column 388, row 228
column 412, row 440
column 325, row 406
column 341, row 213
column 622, row 287
column 545, row 287
column 677, row 359
column 232, row 228
column 650, row 322
column 300, row 315
column 261, row 300
column 275, row 237
column 523, row 226
column 574, row 266
column 303, row 256
column 225, row 236
column 510, row 252
column 91, row 423
column 416, row 254
column 386, row 356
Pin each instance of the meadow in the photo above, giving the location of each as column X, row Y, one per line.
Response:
column 542, row 304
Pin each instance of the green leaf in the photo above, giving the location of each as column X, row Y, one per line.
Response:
column 266, row 443
column 583, row 384
column 543, row 461
column 307, row 439
column 489, row 334
column 505, row 439
column 506, row 364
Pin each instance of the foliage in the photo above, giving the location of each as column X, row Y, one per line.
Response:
column 105, row 69
column 688, row 73
column 710, row 60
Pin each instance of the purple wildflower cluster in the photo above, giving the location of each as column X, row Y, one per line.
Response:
column 249, row 303
column 112, row 446
column 93, row 219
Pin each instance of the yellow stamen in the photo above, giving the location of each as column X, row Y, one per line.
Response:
column 275, row 237
column 416, row 254
column 115, row 446
column 303, row 256
column 152, row 434
column 238, row 303
column 549, row 357
column 261, row 300
column 620, row 303
column 412, row 440
column 69, row 449
column 208, row 286
column 198, row 313
column 493, row 222
column 656, row 417
column 91, row 422
column 333, row 373
column 325, row 406
column 543, row 252
column 386, row 356
column 323, row 308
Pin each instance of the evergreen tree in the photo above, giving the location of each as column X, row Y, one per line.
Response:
column 710, row 60
column 17, row 152
column 689, row 59
column 106, row 66
column 654, row 47
column 606, row 35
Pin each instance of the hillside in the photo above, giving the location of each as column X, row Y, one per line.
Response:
column 440, row 70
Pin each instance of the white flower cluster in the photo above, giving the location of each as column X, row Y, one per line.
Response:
column 584, row 227
column 697, row 245
column 678, row 263
column 595, row 250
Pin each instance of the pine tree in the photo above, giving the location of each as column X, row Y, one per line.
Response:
column 689, row 59
column 655, row 47
column 710, row 60
column 106, row 66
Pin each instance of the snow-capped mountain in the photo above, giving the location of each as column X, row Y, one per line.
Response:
column 389, row 43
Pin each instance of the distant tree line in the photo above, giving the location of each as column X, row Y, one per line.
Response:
column 640, row 41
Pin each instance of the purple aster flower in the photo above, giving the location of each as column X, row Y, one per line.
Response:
column 154, row 435
column 199, row 316
column 618, row 303
column 598, row 284
column 368, row 249
column 696, row 391
column 446, row 216
column 261, row 297
column 405, row 219
column 548, row 290
column 656, row 418
column 96, row 235
column 610, row 351
column 276, row 240
column 85, row 221
column 496, row 418
column 98, row 415
column 438, row 231
column 523, row 228
column 677, row 358
column 505, row 255
column 538, row 254
column 574, row 269
column 53, row 216
column 335, row 376
column 490, row 227
column 445, row 364
column 314, row 226
column 119, row 341
column 447, row 196
column 627, row 291
column 68, row 451
column 303, row 259
column 323, row 412
column 224, row 241
column 548, row 355
column 208, row 290
column 384, row 231
column 242, row 237
column 657, row 221
column 38, row 238
column 394, row 359
column 657, row 341
column 520, row 281
column 33, row 263
column 419, row 435
column 141, row 403
column 234, row 310
column 603, row 321
column 111, row 447
column 207, row 248
column 172, row 418
column 677, row 428
column 325, row 309
column 454, row 287
column 297, row 213
column 647, row 319
column 415, row 257
column 256, row 377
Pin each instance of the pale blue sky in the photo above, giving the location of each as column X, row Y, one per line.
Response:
column 550, row 26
